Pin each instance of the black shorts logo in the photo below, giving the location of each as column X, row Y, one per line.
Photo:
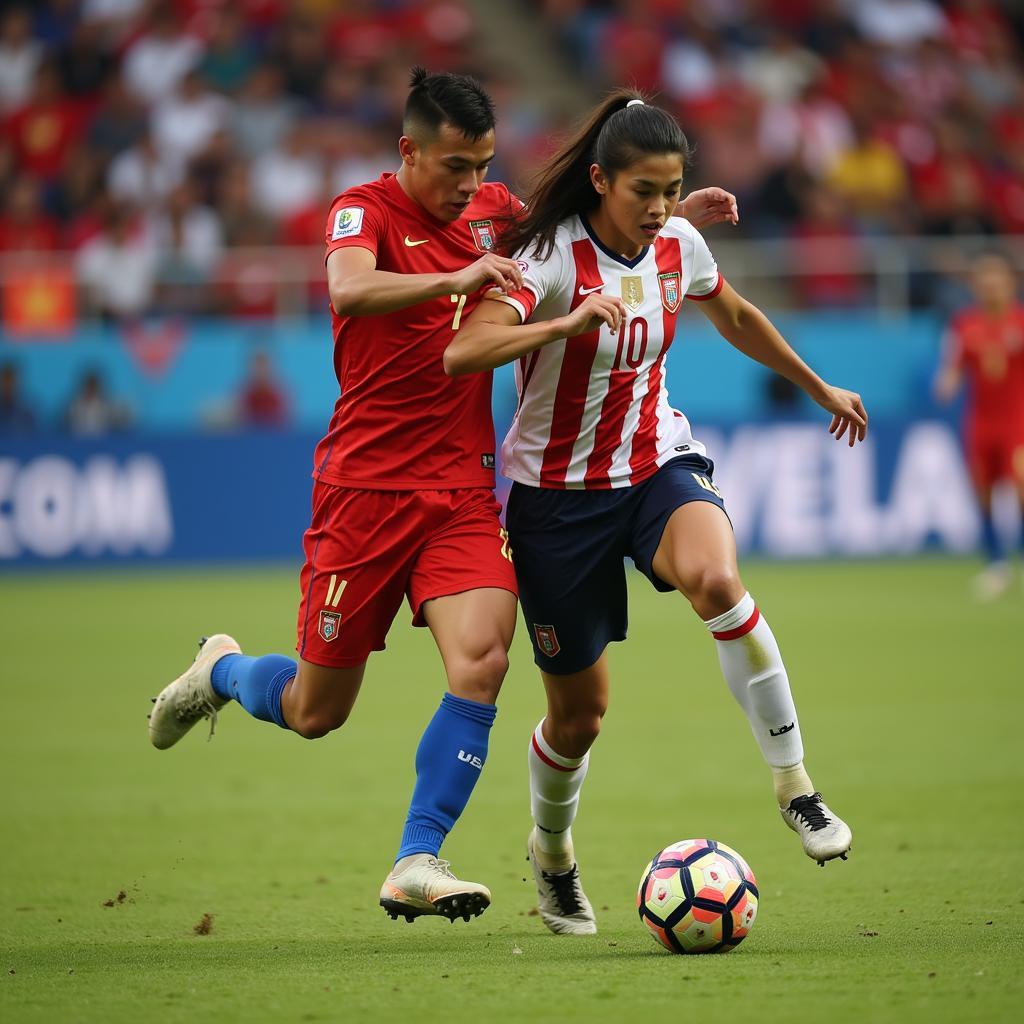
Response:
column 487, row 460
column 547, row 639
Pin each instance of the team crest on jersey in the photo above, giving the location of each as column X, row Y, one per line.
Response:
column 632, row 290
column 547, row 639
column 483, row 234
column 671, row 292
column 330, row 625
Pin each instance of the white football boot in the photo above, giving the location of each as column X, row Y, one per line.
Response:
column 824, row 835
column 992, row 582
column 421, row 884
column 562, row 903
column 190, row 697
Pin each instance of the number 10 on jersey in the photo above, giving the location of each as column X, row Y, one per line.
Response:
column 634, row 351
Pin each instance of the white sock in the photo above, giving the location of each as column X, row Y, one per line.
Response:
column 555, row 783
column 752, row 666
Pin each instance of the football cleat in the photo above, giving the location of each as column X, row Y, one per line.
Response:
column 421, row 884
column 190, row 697
column 992, row 582
column 824, row 835
column 562, row 903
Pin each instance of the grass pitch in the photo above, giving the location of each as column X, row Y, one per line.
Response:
column 237, row 880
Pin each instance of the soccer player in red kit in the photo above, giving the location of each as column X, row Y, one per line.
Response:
column 403, row 502
column 985, row 349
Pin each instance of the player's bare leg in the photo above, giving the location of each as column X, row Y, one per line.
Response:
column 473, row 631
column 697, row 556
column 320, row 698
column 558, row 757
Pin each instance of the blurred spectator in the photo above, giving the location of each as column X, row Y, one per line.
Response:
column 301, row 56
column 121, row 121
column 870, row 177
column 229, row 56
column 85, row 65
column 42, row 130
column 91, row 412
column 262, row 401
column 157, row 61
column 117, row 268
column 241, row 220
column 20, row 56
column 287, row 178
column 25, row 226
column 186, row 121
column 951, row 188
column 187, row 236
column 16, row 415
column 897, row 23
column 263, row 112
column 141, row 177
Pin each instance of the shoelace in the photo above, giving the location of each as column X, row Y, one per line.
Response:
column 809, row 808
column 198, row 708
column 566, row 887
column 444, row 866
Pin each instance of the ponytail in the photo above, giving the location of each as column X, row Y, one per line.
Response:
column 618, row 131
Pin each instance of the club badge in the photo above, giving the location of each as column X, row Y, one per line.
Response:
column 671, row 292
column 483, row 234
column 547, row 640
column 330, row 625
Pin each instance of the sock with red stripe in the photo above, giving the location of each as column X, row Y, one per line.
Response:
column 753, row 668
column 555, row 783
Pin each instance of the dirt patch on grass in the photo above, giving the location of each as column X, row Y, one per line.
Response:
column 204, row 925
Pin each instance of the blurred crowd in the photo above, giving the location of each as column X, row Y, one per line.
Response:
column 167, row 143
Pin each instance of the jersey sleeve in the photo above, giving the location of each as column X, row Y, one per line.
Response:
column 705, row 280
column 356, row 219
column 952, row 344
column 541, row 280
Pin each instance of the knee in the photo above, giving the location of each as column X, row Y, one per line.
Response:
column 714, row 589
column 478, row 676
column 574, row 734
column 316, row 723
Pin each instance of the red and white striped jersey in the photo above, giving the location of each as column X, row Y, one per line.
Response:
column 593, row 410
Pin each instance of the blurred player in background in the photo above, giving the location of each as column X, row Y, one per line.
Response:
column 403, row 501
column 604, row 468
column 985, row 350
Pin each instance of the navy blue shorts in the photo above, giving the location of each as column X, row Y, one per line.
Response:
column 568, row 549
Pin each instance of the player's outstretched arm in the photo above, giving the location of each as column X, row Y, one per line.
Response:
column 358, row 288
column 708, row 206
column 493, row 335
column 746, row 328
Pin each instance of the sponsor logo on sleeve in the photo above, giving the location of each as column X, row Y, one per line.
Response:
column 348, row 221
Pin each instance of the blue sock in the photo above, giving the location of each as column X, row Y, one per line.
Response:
column 256, row 683
column 990, row 540
column 449, row 759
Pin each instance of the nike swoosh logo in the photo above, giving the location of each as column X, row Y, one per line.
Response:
column 409, row 242
column 587, row 291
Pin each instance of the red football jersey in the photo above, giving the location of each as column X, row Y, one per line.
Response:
column 990, row 352
column 400, row 422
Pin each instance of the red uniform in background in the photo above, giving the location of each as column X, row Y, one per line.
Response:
column 989, row 351
column 403, row 500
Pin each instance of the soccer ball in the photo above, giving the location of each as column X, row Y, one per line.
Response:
column 698, row 896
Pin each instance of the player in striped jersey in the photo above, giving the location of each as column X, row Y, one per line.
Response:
column 603, row 467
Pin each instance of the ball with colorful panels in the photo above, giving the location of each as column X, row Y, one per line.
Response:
column 698, row 896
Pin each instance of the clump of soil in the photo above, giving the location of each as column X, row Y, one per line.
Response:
column 204, row 925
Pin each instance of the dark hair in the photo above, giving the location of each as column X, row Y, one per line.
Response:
column 445, row 98
column 613, row 136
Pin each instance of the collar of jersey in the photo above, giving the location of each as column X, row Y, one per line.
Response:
column 604, row 248
column 400, row 198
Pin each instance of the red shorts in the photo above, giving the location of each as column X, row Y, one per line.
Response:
column 366, row 549
column 995, row 455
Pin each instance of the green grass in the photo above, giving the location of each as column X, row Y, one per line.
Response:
column 911, row 704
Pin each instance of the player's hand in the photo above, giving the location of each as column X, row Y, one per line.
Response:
column 491, row 270
column 594, row 312
column 849, row 417
column 709, row 206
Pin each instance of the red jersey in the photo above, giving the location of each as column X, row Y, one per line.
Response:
column 990, row 352
column 401, row 423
